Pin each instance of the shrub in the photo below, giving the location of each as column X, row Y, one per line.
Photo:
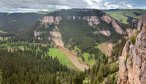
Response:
column 133, row 39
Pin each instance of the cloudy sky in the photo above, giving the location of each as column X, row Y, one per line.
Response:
column 44, row 5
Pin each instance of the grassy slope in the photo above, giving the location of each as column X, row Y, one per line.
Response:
column 121, row 14
column 89, row 61
column 54, row 52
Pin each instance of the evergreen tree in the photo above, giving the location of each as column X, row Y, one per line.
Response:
column 78, row 78
column 0, row 77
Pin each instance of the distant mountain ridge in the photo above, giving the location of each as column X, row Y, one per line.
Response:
column 16, row 21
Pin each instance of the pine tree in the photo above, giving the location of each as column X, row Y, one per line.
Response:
column 0, row 77
column 78, row 78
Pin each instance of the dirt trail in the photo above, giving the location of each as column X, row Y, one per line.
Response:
column 73, row 58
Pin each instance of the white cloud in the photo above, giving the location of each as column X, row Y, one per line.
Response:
column 37, row 5
column 103, row 4
column 93, row 3
column 33, row 8
column 58, row 6
column 89, row 2
column 129, row 6
column 109, row 5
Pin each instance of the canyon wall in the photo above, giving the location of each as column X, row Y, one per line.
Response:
column 132, row 62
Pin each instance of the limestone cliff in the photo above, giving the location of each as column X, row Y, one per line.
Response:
column 132, row 62
column 92, row 21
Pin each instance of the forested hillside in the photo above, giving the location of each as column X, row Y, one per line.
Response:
column 28, row 63
column 43, row 48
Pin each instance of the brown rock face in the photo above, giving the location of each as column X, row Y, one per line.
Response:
column 142, row 22
column 130, row 32
column 56, row 37
column 132, row 62
column 111, row 21
column 50, row 20
column 105, row 33
column 92, row 21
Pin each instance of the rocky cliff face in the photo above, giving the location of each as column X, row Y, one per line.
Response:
column 102, row 23
column 132, row 62
column 56, row 37
column 92, row 21
column 142, row 22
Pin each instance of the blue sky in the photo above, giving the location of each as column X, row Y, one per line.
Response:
column 44, row 5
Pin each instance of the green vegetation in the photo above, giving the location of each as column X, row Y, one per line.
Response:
column 85, row 57
column 122, row 14
column 32, row 65
column 77, row 49
column 103, row 70
column 24, row 59
column 133, row 39
column 78, row 36
column 0, row 77
column 78, row 78
column 117, row 49
column 55, row 53
column 88, row 59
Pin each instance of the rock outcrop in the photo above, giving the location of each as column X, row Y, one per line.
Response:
column 142, row 22
column 130, row 32
column 92, row 21
column 48, row 20
column 56, row 37
column 92, row 18
column 132, row 62
column 105, row 33
column 111, row 21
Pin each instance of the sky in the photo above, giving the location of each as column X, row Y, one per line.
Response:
column 45, row 5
